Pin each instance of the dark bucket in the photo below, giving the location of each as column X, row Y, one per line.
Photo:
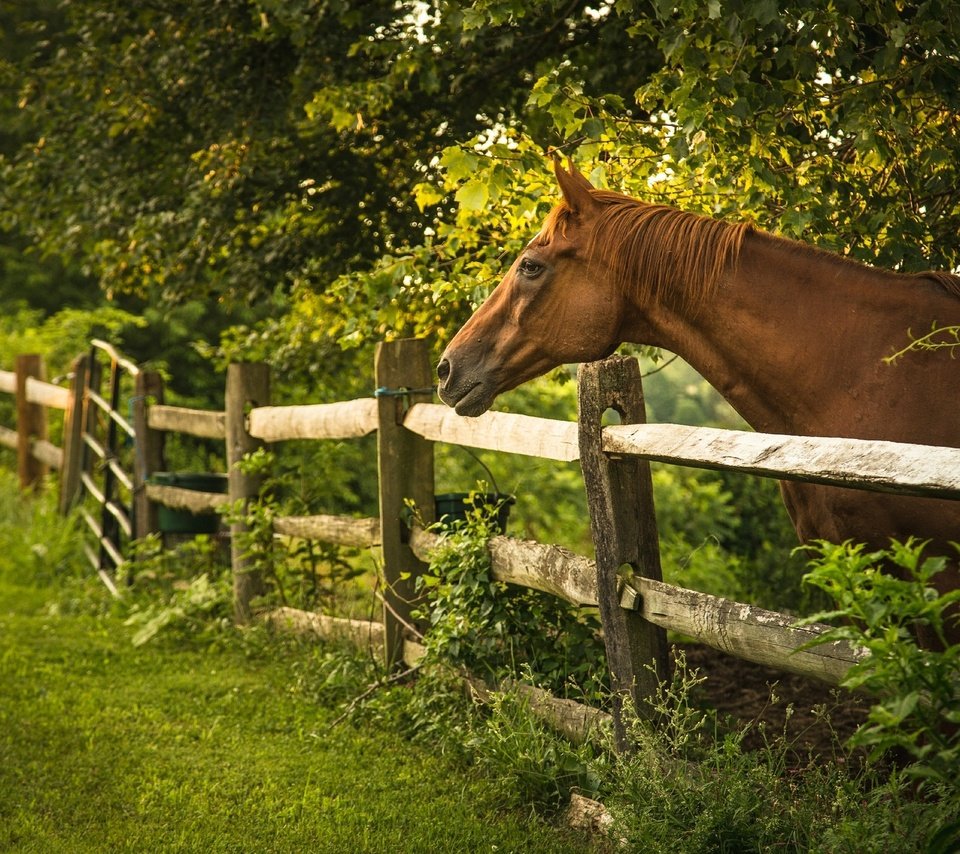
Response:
column 453, row 507
column 173, row 521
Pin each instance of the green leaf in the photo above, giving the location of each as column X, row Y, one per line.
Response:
column 473, row 195
column 458, row 163
column 426, row 196
column 902, row 707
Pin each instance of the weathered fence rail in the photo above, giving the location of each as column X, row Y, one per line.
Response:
column 193, row 422
column 751, row 633
column 349, row 419
column 919, row 470
column 623, row 582
column 37, row 391
column 496, row 431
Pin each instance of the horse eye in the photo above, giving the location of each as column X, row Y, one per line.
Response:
column 529, row 268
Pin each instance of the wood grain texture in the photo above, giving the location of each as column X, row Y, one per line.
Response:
column 859, row 463
column 73, row 449
column 348, row 419
column 203, row 423
column 363, row 634
column 248, row 386
column 405, row 469
column 549, row 568
column 624, row 531
column 148, row 449
column 745, row 631
column 31, row 422
column 47, row 453
column 527, row 563
column 496, row 431
column 339, row 530
column 191, row 500
column 578, row 722
column 749, row 632
column 47, row 394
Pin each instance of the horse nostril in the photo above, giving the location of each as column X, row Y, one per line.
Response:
column 443, row 370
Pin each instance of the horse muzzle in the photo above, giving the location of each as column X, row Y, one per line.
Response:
column 464, row 390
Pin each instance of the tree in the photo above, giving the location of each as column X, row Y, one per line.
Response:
column 367, row 166
column 833, row 123
column 224, row 150
column 25, row 277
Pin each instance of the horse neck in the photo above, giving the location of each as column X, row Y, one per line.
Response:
column 793, row 339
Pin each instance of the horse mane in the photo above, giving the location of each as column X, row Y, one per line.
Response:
column 949, row 282
column 675, row 255
column 671, row 254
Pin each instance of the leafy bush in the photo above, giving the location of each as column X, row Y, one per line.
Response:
column 302, row 573
column 918, row 686
column 185, row 591
column 39, row 545
column 536, row 765
column 198, row 607
column 496, row 630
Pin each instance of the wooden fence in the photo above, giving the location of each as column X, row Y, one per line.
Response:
column 34, row 396
column 624, row 582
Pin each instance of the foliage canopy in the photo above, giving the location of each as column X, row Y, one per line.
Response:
column 371, row 164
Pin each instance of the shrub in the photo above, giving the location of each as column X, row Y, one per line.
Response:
column 495, row 630
column 185, row 591
column 917, row 711
column 691, row 788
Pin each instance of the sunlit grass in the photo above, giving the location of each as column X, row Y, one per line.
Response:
column 199, row 746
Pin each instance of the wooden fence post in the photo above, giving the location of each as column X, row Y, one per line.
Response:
column 31, row 422
column 624, row 529
column 88, row 417
column 73, row 435
column 404, row 377
column 148, row 451
column 248, row 386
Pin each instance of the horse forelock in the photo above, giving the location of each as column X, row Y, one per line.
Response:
column 554, row 224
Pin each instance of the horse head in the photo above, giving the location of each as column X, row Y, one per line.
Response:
column 555, row 305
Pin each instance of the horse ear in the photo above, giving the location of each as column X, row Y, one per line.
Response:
column 577, row 190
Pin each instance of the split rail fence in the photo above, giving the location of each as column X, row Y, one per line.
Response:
column 108, row 457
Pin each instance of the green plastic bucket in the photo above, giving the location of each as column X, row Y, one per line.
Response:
column 171, row 521
column 453, row 507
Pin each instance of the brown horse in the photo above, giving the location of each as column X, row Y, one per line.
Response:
column 793, row 337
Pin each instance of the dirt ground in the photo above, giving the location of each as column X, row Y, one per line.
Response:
column 741, row 691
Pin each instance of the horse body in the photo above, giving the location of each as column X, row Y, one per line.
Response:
column 793, row 337
column 795, row 340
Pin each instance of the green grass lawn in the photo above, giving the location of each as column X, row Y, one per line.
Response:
column 108, row 747
column 208, row 738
